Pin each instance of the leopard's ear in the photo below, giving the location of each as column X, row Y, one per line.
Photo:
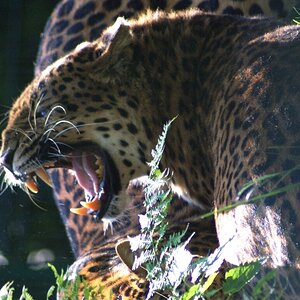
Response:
column 126, row 255
column 112, row 54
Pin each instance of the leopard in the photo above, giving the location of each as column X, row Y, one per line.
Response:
column 238, row 126
column 76, row 21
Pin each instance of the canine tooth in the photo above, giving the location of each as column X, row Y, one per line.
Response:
column 99, row 171
column 44, row 176
column 98, row 161
column 31, row 185
column 82, row 211
column 93, row 205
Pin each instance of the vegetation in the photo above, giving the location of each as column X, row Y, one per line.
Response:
column 171, row 268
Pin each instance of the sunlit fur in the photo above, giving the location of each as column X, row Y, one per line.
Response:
column 236, row 64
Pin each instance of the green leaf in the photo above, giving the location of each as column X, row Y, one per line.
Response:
column 258, row 180
column 209, row 294
column 6, row 292
column 159, row 149
column 156, row 173
column 25, row 295
column 238, row 277
column 191, row 292
column 209, row 282
column 50, row 291
column 60, row 281
column 258, row 288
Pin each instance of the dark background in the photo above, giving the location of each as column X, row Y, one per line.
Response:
column 24, row 227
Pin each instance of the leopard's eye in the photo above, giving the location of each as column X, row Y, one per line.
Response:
column 41, row 113
column 36, row 104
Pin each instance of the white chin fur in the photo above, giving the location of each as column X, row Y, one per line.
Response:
column 11, row 180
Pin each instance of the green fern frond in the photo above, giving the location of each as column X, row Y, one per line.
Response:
column 6, row 292
column 25, row 295
column 157, row 152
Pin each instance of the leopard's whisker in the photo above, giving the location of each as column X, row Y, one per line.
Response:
column 82, row 125
column 41, row 97
column 51, row 111
column 48, row 132
column 37, row 163
column 3, row 187
column 19, row 130
column 67, row 122
column 7, row 107
column 4, row 118
column 28, row 119
column 55, row 145
column 35, row 111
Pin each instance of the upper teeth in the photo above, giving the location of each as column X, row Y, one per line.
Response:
column 41, row 173
column 31, row 185
column 94, row 204
column 100, row 169
column 44, row 176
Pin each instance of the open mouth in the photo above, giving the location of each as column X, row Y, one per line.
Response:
column 95, row 172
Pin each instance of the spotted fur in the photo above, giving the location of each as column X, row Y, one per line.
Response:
column 232, row 81
column 75, row 21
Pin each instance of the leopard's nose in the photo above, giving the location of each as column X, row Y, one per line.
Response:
column 6, row 159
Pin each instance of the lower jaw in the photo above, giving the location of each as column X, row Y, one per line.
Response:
column 102, row 203
column 101, row 193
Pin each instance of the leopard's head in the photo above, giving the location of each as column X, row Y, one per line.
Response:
column 77, row 115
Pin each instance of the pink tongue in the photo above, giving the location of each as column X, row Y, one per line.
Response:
column 85, row 166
